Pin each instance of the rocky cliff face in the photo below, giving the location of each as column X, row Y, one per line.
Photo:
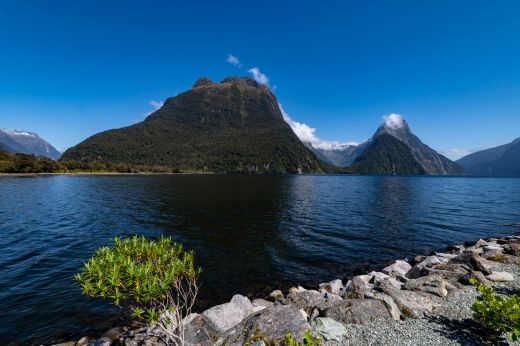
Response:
column 234, row 126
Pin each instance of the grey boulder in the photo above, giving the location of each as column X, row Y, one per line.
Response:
column 226, row 316
column 414, row 304
column 310, row 299
column 358, row 311
column 433, row 284
column 275, row 295
column 398, row 269
column 328, row 330
column 262, row 303
column 388, row 302
column 421, row 269
column 500, row 276
column 199, row 331
column 357, row 287
column 334, row 287
column 270, row 325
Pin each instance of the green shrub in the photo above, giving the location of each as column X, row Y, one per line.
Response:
column 147, row 279
column 499, row 314
column 308, row 340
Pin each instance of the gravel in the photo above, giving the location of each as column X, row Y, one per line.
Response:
column 449, row 324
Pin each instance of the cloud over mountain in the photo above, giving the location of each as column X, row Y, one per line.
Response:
column 307, row 134
column 259, row 76
column 393, row 121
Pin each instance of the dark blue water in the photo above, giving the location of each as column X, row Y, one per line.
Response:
column 251, row 233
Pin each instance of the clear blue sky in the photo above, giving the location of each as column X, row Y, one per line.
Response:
column 69, row 69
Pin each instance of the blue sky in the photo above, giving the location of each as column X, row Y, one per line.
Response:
column 69, row 69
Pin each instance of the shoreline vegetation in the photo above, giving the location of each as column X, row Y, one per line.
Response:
column 28, row 164
column 425, row 300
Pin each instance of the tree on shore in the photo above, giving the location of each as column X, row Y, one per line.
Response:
column 154, row 282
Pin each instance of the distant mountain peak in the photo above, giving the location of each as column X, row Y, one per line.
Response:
column 431, row 161
column 22, row 141
column 15, row 132
column 385, row 152
column 395, row 125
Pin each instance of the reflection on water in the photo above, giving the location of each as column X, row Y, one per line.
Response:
column 251, row 233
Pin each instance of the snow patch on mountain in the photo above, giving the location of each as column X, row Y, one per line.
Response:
column 15, row 132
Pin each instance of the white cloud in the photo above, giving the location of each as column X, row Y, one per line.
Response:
column 156, row 105
column 233, row 60
column 307, row 134
column 303, row 131
column 394, row 121
column 457, row 153
column 259, row 76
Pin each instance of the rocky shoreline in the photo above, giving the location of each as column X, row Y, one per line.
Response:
column 421, row 301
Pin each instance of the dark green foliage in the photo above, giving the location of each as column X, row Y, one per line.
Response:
column 235, row 126
column 387, row 155
column 31, row 164
column 138, row 275
column 25, row 163
column 501, row 315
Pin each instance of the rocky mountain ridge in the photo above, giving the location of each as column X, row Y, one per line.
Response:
column 25, row 142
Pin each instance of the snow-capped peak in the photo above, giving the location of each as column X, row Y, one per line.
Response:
column 15, row 132
column 326, row 145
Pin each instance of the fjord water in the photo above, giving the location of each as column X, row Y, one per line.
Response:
column 251, row 234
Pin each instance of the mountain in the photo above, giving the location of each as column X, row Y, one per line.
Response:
column 387, row 155
column 5, row 148
column 432, row 162
column 27, row 143
column 234, row 126
column 375, row 162
column 501, row 160
column 339, row 155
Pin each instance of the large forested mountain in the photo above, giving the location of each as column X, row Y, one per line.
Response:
column 233, row 126
column 501, row 160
